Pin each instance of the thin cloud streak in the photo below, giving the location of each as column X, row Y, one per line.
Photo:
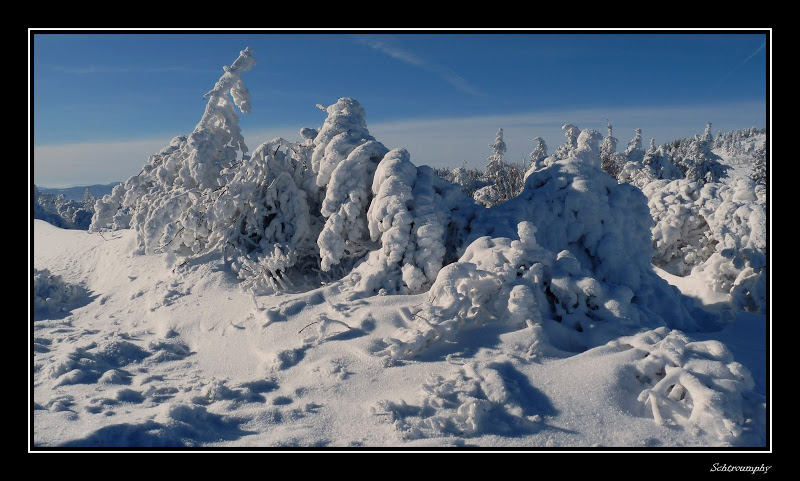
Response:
column 763, row 45
column 444, row 72
column 90, row 69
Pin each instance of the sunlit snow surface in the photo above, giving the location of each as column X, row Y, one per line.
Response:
column 148, row 356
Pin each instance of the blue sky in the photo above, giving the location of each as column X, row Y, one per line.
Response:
column 101, row 103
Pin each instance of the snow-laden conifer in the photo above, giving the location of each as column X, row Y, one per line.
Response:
column 564, row 150
column 416, row 218
column 537, row 156
column 612, row 160
column 634, row 152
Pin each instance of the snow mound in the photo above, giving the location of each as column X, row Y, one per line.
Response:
column 174, row 425
column 97, row 362
column 696, row 385
column 52, row 297
column 478, row 398
column 106, row 361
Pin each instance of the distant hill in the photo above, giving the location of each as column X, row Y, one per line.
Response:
column 76, row 193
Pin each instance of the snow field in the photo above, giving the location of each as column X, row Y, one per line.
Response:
column 330, row 292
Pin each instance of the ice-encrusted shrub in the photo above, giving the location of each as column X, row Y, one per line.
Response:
column 716, row 231
column 503, row 187
column 697, row 385
column 681, row 236
column 736, row 215
column 51, row 295
column 264, row 216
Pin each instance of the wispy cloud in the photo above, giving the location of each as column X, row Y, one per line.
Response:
column 763, row 45
column 86, row 163
column 410, row 58
column 91, row 69
column 437, row 142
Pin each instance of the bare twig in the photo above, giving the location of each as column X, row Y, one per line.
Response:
column 170, row 241
column 323, row 320
column 303, row 329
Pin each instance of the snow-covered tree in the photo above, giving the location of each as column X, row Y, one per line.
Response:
column 571, row 133
column 659, row 165
column 736, row 215
column 469, row 179
column 504, row 180
column 759, row 172
column 681, row 236
column 347, row 199
column 89, row 200
column 344, row 129
column 634, row 152
column 702, row 164
column 612, row 160
column 495, row 167
column 539, row 154
column 343, row 163
column 707, row 137
column 417, row 219
column 169, row 200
